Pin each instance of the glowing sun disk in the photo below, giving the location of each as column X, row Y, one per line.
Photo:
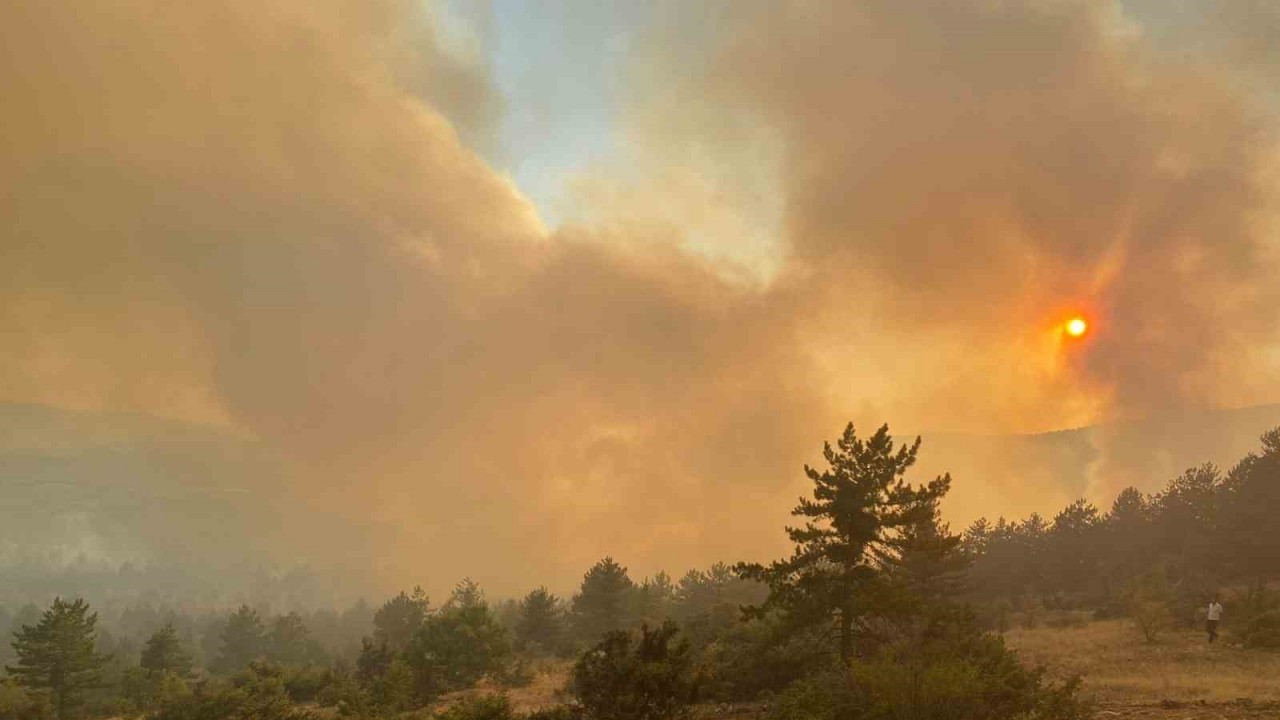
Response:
column 1077, row 327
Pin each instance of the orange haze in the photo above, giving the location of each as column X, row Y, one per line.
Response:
column 271, row 219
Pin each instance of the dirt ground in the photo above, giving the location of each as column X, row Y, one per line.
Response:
column 1194, row 711
column 1178, row 677
column 1109, row 711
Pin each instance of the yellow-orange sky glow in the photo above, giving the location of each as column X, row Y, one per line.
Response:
column 281, row 221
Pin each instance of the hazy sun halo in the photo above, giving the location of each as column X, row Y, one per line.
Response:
column 1077, row 327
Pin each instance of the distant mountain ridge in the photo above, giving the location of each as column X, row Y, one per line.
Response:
column 31, row 426
column 102, row 489
column 1041, row 472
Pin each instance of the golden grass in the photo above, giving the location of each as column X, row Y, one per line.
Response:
column 546, row 689
column 1119, row 667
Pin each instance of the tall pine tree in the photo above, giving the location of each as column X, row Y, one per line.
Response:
column 466, row 594
column 1249, row 539
column 399, row 618
column 289, row 642
column 244, row 639
column 928, row 562
column 164, row 654
column 58, row 654
column 458, row 645
column 541, row 622
column 861, row 505
column 603, row 604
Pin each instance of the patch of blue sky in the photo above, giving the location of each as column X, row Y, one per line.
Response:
column 556, row 64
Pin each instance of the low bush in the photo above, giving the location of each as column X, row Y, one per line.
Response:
column 1150, row 598
column 824, row 696
column 944, row 669
column 1257, row 619
column 305, row 684
column 19, row 703
column 762, row 656
column 628, row 677
column 256, row 694
column 454, row 649
column 140, row 690
column 518, row 673
column 1152, row 617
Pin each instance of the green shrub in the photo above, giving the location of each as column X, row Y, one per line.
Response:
column 942, row 669
column 825, row 696
column 1263, row 630
column 765, row 655
column 395, row 690
column 305, row 684
column 19, row 703
column 258, row 693
column 516, row 674
column 625, row 677
column 340, row 684
column 1150, row 599
column 454, row 649
column 956, row 688
column 145, row 689
column 1257, row 619
column 1151, row 617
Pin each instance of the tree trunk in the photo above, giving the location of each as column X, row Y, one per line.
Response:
column 846, row 616
column 846, row 636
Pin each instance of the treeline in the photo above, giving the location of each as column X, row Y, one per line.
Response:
column 1206, row 533
column 609, row 598
column 880, row 611
column 330, row 634
column 397, row 656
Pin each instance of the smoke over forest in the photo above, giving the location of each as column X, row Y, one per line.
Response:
column 272, row 295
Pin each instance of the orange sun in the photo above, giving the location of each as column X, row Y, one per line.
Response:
column 1077, row 327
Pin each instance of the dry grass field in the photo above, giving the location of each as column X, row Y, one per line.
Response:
column 1179, row 676
column 547, row 688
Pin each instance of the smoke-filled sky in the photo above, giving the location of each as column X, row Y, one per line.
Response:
column 503, row 287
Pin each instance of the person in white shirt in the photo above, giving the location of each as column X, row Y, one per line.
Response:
column 1213, row 617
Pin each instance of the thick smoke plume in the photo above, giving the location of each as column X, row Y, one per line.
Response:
column 273, row 221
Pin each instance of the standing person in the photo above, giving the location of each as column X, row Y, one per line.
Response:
column 1211, row 623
